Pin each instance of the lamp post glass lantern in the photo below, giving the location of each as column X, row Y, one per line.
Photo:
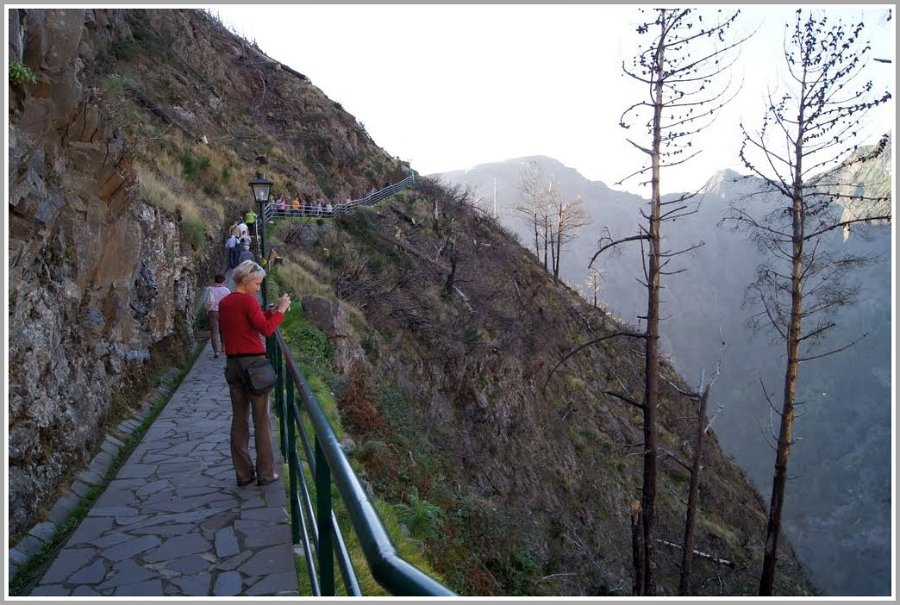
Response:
column 262, row 188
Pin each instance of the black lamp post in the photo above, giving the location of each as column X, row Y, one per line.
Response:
column 262, row 187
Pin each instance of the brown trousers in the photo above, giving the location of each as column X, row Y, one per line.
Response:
column 215, row 332
column 243, row 401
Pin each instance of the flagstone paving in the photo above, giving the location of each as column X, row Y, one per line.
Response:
column 173, row 522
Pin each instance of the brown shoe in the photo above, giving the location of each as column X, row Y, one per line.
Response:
column 275, row 477
column 246, row 481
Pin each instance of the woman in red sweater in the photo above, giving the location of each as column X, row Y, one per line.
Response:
column 242, row 323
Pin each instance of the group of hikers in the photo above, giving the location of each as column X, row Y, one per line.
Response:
column 237, row 244
column 239, row 239
column 295, row 207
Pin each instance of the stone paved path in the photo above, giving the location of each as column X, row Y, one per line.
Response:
column 173, row 521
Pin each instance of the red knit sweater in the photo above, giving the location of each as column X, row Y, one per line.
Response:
column 242, row 321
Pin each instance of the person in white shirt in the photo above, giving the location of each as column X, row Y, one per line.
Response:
column 211, row 297
column 231, row 245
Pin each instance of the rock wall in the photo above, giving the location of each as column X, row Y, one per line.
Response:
column 100, row 285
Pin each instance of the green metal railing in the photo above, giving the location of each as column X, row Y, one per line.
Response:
column 313, row 520
column 271, row 212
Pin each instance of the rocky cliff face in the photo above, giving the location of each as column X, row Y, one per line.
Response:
column 99, row 282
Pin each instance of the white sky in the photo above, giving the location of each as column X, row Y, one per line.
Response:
column 451, row 86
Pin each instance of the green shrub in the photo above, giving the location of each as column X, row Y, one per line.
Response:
column 20, row 74
column 116, row 87
column 124, row 50
column 188, row 165
column 424, row 520
column 312, row 345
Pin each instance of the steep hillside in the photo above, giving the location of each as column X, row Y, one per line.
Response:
column 522, row 479
column 128, row 155
column 838, row 507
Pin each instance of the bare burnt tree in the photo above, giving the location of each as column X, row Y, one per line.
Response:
column 549, row 247
column 681, row 68
column 540, row 198
column 592, row 283
column 533, row 207
column 701, row 399
column 807, row 131
column 453, row 254
column 568, row 218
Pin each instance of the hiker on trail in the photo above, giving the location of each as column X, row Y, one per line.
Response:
column 295, row 205
column 281, row 205
column 245, row 252
column 211, row 298
column 242, row 228
column 231, row 246
column 242, row 323
column 250, row 219
column 329, row 209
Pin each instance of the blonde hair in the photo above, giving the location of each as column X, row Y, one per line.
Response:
column 245, row 270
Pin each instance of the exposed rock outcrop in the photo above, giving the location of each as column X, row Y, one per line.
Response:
column 332, row 320
column 98, row 281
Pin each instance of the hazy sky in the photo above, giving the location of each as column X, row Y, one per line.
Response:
column 451, row 86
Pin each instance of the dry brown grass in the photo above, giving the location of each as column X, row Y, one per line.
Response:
column 299, row 281
column 153, row 189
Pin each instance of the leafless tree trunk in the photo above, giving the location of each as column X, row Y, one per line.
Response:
column 435, row 215
column 547, row 237
column 533, row 205
column 807, row 130
column 454, row 258
column 684, row 583
column 690, row 519
column 678, row 67
column 569, row 218
column 593, row 285
column 637, row 549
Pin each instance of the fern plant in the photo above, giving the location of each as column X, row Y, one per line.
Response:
column 20, row 74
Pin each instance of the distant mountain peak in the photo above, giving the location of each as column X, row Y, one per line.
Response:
column 722, row 177
column 513, row 168
column 546, row 163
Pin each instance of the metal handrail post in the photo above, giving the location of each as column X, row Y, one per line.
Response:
column 325, row 548
column 277, row 361
column 293, row 467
